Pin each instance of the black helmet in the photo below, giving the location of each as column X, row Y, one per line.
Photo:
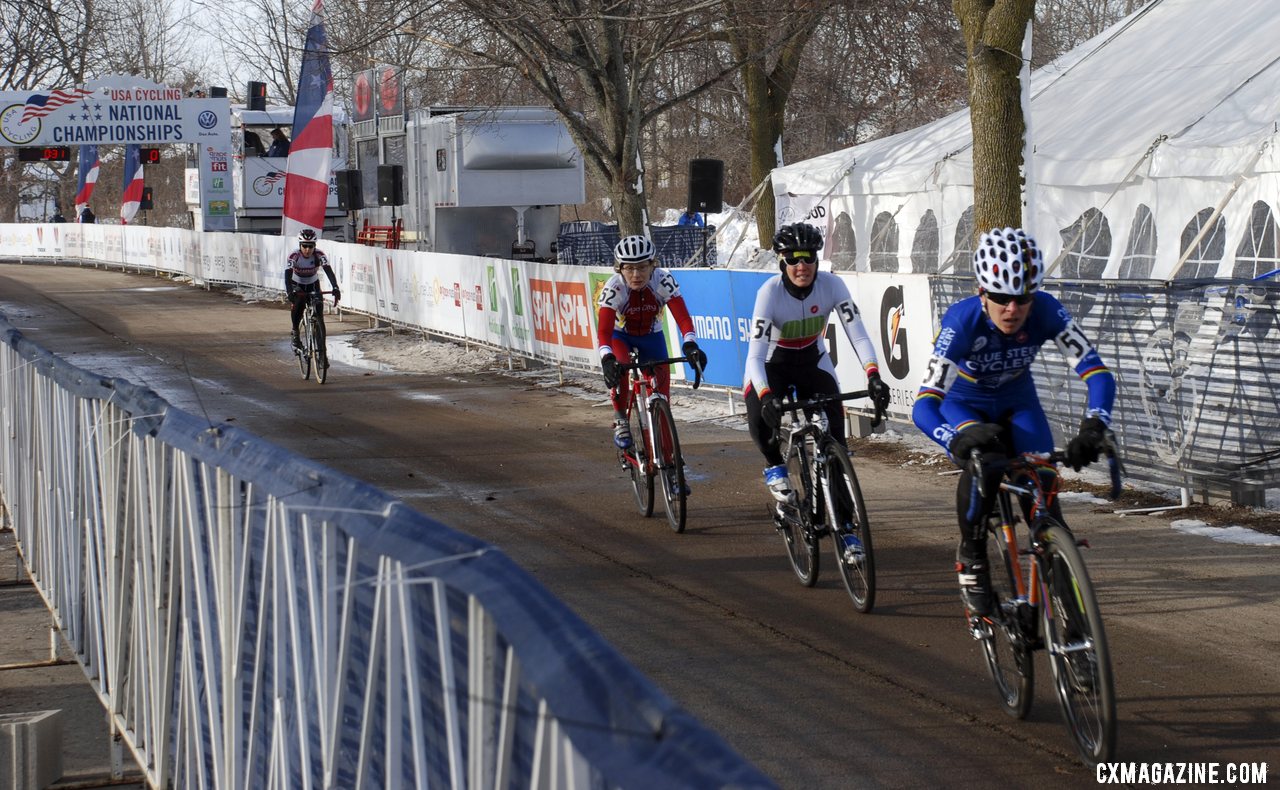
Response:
column 800, row 236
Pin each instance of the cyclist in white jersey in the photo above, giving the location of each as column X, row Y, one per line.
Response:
column 302, row 276
column 787, row 348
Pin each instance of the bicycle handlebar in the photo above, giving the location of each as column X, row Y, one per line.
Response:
column 648, row 366
column 791, row 404
column 979, row 465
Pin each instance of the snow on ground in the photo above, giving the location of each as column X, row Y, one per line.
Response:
column 1225, row 534
column 412, row 352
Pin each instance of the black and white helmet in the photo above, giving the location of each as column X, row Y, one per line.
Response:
column 633, row 249
column 1008, row 261
column 306, row 236
column 800, row 236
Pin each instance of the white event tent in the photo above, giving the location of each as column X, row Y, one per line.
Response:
column 1154, row 158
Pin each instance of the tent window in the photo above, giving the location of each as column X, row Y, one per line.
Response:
column 842, row 247
column 925, row 245
column 1256, row 254
column 1086, row 247
column 959, row 261
column 884, row 243
column 1204, row 259
column 1140, row 254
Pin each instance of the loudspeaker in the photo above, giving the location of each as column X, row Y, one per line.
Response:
column 216, row 92
column 146, row 204
column 257, row 95
column 390, row 185
column 706, row 185
column 350, row 190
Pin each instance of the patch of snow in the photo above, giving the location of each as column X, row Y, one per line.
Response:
column 1231, row 534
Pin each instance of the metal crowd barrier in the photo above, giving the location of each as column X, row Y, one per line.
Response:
column 253, row 619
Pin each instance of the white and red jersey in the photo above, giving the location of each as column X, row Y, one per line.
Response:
column 639, row 311
column 305, row 270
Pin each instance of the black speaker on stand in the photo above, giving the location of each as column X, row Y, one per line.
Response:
column 257, row 99
column 391, row 188
column 706, row 192
column 350, row 190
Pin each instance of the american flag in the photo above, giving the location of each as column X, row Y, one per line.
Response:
column 88, row 176
column 41, row 104
column 132, row 193
column 273, row 177
column 306, row 189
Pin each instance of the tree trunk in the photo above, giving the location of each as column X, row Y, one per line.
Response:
column 993, row 31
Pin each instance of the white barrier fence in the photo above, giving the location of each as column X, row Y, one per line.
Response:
column 252, row 619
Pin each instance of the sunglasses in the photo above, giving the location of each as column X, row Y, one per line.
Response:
column 798, row 257
column 307, row 246
column 1022, row 300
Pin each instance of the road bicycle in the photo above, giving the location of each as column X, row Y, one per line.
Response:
column 1043, row 599
column 313, row 354
column 828, row 500
column 654, row 453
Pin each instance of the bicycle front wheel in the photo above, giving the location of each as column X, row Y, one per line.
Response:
column 304, row 354
column 1004, row 635
column 666, row 446
column 319, row 353
column 1077, row 645
column 850, row 528
column 641, row 474
column 796, row 524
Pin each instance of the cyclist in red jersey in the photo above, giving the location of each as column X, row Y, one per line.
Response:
column 630, row 316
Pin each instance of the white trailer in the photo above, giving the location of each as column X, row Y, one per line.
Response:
column 487, row 181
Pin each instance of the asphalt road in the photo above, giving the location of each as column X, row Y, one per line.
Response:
column 813, row 693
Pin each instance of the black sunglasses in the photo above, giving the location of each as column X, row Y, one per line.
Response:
column 307, row 246
column 799, row 256
column 1004, row 299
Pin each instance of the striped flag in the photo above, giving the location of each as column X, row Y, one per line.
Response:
column 306, row 186
column 88, row 176
column 39, row 105
column 131, row 196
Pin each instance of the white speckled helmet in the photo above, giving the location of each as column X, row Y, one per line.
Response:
column 1008, row 261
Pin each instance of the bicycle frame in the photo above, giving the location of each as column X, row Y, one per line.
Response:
column 644, row 387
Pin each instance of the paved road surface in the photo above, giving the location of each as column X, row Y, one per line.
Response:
column 814, row 694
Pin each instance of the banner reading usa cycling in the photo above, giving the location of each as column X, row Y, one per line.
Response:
column 128, row 110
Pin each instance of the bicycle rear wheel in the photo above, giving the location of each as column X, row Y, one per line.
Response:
column 1003, row 636
column 641, row 477
column 319, row 353
column 671, row 464
column 1077, row 645
column 304, row 354
column 796, row 525
column 847, row 514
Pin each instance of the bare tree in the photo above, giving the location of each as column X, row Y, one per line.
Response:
column 993, row 33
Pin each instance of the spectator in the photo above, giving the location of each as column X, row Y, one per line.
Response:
column 279, row 143
column 57, row 216
column 253, row 145
column 691, row 217
column 87, row 217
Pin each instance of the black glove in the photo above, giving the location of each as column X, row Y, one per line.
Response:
column 697, row 357
column 1084, row 449
column 337, row 297
column 771, row 411
column 879, row 391
column 612, row 370
column 984, row 436
column 295, row 296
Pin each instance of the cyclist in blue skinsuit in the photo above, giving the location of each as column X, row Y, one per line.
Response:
column 978, row 392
